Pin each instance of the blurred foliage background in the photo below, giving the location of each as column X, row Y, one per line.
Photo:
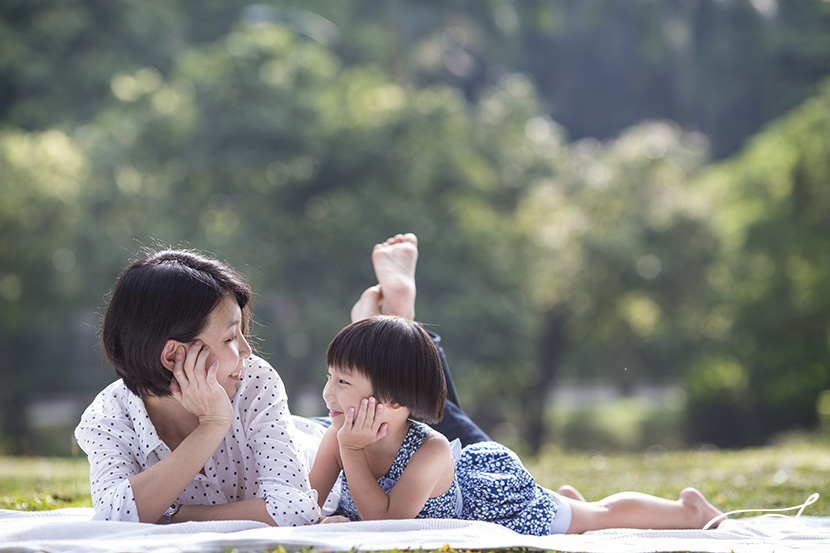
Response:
column 622, row 207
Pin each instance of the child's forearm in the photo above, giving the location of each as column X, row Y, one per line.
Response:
column 371, row 501
column 322, row 482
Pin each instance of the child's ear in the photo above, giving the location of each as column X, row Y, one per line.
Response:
column 393, row 405
column 168, row 354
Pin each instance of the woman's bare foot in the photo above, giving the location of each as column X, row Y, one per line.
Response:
column 570, row 492
column 690, row 497
column 394, row 262
column 368, row 305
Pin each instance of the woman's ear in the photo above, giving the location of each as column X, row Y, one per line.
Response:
column 168, row 354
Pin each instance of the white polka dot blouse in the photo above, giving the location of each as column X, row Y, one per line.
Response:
column 263, row 455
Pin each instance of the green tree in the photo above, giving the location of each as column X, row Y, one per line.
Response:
column 773, row 297
column 722, row 67
column 43, row 270
column 288, row 137
column 620, row 248
column 263, row 148
column 57, row 58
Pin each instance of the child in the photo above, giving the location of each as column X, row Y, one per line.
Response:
column 385, row 375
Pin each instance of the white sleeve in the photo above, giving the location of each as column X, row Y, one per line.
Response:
column 278, row 450
column 108, row 443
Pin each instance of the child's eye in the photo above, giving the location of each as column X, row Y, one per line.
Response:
column 341, row 381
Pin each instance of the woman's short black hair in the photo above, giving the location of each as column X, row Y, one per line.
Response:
column 164, row 295
column 400, row 360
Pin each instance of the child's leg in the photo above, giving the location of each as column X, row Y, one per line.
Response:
column 639, row 510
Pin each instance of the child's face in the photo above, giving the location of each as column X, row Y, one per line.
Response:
column 345, row 389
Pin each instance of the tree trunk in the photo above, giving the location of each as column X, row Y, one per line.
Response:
column 551, row 349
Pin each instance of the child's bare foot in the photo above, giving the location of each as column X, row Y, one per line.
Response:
column 368, row 305
column 690, row 497
column 570, row 492
column 394, row 262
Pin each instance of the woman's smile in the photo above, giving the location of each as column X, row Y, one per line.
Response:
column 227, row 343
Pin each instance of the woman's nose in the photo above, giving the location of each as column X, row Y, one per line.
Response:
column 245, row 350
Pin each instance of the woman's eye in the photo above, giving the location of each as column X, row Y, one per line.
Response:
column 231, row 339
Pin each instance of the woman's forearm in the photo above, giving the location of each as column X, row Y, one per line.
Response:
column 156, row 488
column 248, row 509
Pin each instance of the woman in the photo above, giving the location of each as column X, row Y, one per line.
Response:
column 197, row 427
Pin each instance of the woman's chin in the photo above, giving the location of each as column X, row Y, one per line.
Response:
column 231, row 387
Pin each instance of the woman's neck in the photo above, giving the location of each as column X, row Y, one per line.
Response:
column 173, row 422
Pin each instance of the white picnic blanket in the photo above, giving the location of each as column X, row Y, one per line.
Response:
column 72, row 530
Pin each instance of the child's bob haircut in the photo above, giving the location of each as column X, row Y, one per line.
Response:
column 166, row 295
column 399, row 359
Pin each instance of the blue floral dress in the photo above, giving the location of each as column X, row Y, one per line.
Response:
column 447, row 505
column 491, row 484
column 498, row 488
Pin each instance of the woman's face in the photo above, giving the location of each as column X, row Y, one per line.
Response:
column 223, row 335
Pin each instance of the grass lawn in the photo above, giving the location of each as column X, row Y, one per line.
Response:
column 40, row 483
column 771, row 477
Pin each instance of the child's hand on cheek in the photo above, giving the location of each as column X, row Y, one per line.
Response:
column 364, row 427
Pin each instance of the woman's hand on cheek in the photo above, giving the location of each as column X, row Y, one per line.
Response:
column 196, row 387
column 363, row 427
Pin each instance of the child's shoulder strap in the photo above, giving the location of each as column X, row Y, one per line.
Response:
column 413, row 440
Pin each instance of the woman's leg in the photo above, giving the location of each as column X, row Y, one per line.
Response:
column 394, row 262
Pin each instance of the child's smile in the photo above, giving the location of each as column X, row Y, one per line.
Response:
column 343, row 390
